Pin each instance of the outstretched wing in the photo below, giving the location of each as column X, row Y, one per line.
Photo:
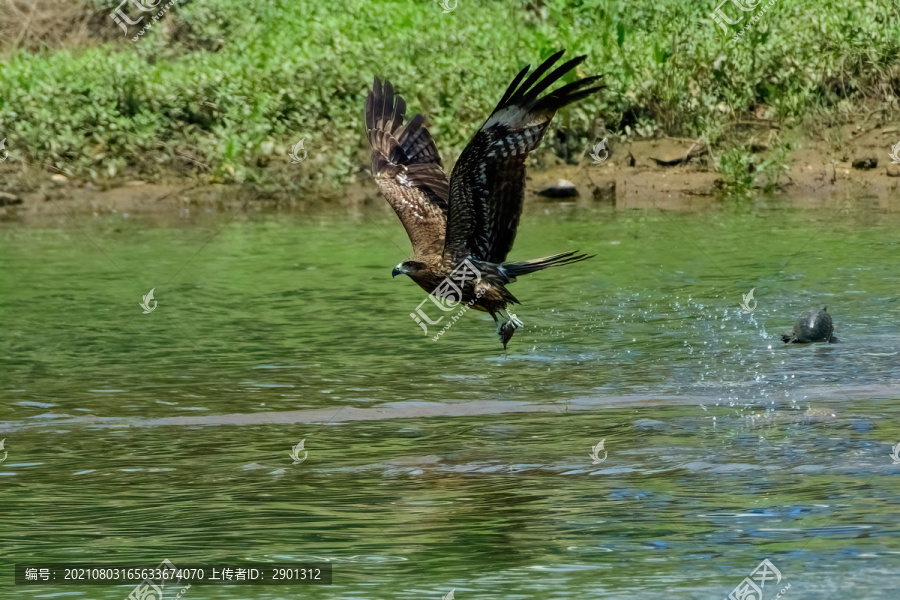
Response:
column 487, row 186
column 408, row 168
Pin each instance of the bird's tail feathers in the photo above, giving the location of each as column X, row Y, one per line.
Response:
column 538, row 264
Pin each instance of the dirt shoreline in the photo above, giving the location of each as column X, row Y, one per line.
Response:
column 667, row 173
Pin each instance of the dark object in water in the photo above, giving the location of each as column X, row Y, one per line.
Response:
column 562, row 189
column 814, row 325
column 865, row 164
column 9, row 199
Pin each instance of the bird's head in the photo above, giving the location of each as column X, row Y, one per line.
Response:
column 408, row 267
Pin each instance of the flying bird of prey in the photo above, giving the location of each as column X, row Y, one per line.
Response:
column 474, row 216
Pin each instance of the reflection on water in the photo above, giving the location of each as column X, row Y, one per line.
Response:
column 441, row 465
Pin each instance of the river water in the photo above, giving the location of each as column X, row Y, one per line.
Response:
column 450, row 465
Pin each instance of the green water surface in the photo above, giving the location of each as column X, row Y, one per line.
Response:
column 465, row 468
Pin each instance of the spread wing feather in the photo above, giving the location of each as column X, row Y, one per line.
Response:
column 407, row 168
column 487, row 186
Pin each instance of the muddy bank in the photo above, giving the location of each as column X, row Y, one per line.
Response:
column 667, row 173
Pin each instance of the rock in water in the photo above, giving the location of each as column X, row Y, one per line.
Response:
column 813, row 325
column 562, row 189
column 865, row 164
column 9, row 199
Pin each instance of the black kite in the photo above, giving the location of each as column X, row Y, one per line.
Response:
column 473, row 218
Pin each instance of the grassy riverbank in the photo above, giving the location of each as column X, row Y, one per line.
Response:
column 221, row 90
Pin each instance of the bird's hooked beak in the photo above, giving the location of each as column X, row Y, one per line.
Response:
column 398, row 270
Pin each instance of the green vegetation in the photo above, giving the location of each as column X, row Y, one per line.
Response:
column 221, row 89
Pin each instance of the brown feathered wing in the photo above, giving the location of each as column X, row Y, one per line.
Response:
column 408, row 168
column 487, row 185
